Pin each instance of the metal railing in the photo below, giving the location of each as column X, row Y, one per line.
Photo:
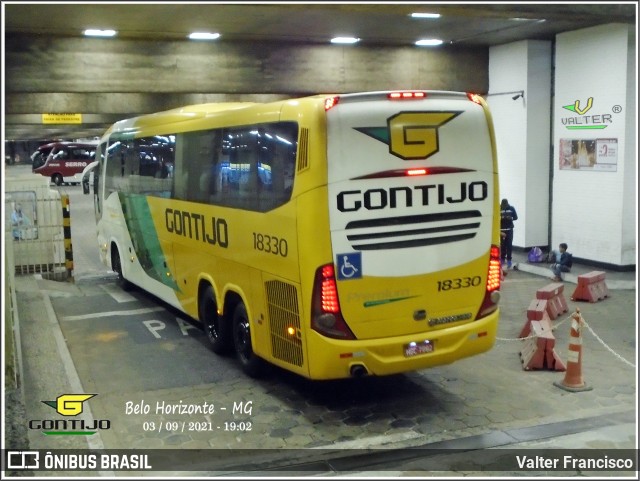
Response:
column 43, row 247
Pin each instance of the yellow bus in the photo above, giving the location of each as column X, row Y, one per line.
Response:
column 334, row 236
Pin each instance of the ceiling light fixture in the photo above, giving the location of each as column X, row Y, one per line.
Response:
column 94, row 32
column 522, row 19
column 345, row 40
column 204, row 36
column 425, row 15
column 429, row 42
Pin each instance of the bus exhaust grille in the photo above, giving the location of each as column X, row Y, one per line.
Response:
column 303, row 150
column 412, row 230
column 282, row 301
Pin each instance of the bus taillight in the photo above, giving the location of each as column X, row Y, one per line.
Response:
column 474, row 98
column 326, row 317
column 493, row 279
column 406, row 95
column 492, row 293
column 330, row 102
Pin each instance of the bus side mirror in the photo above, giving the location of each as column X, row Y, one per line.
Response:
column 85, row 186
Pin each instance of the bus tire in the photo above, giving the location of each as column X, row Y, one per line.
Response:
column 215, row 327
column 116, row 265
column 251, row 364
column 56, row 179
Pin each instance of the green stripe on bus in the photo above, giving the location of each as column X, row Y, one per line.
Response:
column 143, row 233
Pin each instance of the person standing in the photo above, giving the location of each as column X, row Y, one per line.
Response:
column 19, row 222
column 507, row 216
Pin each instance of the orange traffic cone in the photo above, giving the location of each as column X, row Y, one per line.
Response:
column 573, row 380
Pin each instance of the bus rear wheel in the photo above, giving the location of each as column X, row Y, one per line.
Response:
column 214, row 326
column 57, row 179
column 252, row 365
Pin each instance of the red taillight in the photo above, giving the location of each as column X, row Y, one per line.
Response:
column 474, row 98
column 406, row 95
column 329, row 290
column 330, row 102
column 326, row 317
column 492, row 294
column 413, row 172
column 493, row 279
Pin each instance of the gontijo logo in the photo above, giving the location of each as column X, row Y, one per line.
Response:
column 411, row 135
column 69, row 405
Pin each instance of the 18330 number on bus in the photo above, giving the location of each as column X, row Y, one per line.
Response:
column 459, row 283
column 270, row 244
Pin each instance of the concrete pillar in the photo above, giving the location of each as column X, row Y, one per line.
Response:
column 522, row 128
column 594, row 144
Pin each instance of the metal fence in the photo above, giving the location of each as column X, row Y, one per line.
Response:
column 42, row 243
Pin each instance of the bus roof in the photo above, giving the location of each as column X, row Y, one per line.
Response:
column 169, row 118
column 173, row 116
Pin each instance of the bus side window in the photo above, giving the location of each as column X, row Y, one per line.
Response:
column 245, row 167
column 278, row 165
column 180, row 174
column 213, row 186
column 193, row 155
column 60, row 154
column 113, row 173
column 248, row 169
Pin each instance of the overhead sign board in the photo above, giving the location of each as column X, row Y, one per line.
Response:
column 61, row 118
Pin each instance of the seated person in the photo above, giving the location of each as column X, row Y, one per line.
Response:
column 562, row 262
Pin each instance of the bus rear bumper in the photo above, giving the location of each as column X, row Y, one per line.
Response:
column 335, row 359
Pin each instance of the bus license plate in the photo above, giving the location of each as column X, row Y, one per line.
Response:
column 416, row 348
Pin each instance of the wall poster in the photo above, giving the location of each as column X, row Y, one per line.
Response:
column 594, row 155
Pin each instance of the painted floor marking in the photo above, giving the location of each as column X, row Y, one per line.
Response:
column 118, row 294
column 95, row 442
column 95, row 315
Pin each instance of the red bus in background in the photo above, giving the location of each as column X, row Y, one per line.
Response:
column 63, row 162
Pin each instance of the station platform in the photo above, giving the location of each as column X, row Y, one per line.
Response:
column 615, row 279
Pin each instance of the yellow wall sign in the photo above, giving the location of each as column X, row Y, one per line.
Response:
column 61, row 118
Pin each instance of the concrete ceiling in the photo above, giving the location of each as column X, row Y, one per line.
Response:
column 387, row 24
column 470, row 24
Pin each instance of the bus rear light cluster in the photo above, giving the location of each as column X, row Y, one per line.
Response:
column 326, row 317
column 492, row 293
column 474, row 98
column 493, row 278
column 330, row 102
column 329, row 290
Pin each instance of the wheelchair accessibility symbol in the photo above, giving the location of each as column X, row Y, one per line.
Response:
column 349, row 266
